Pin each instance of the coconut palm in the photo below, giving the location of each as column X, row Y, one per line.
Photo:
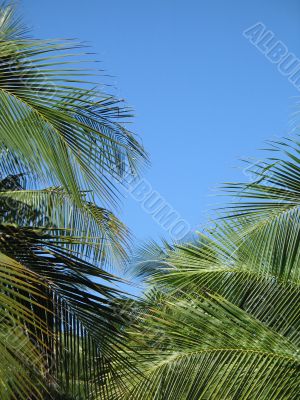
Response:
column 64, row 149
column 223, row 321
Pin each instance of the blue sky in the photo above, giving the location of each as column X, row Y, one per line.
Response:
column 203, row 95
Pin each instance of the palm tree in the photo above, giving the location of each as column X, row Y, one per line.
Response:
column 222, row 320
column 64, row 144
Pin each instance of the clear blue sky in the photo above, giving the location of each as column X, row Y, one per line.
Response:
column 204, row 97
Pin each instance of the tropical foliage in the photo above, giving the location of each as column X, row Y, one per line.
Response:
column 64, row 144
column 220, row 318
column 223, row 319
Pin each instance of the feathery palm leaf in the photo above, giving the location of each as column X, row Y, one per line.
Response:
column 68, row 135
column 226, row 324
column 60, row 132
column 24, row 373
column 203, row 347
column 80, row 313
column 88, row 230
column 270, row 204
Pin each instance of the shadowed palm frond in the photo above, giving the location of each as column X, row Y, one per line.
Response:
column 91, row 231
column 23, row 370
column 80, row 309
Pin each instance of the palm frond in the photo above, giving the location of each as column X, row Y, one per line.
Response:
column 73, row 136
column 270, row 205
column 220, row 262
column 89, row 230
column 83, row 321
column 203, row 347
column 23, row 371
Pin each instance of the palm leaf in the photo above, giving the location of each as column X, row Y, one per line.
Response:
column 23, row 372
column 270, row 205
column 83, row 320
column 202, row 347
column 72, row 136
column 88, row 230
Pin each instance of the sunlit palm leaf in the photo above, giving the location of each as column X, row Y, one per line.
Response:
column 72, row 136
column 204, row 347
column 191, row 338
column 270, row 204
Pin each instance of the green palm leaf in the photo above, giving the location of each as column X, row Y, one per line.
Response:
column 203, row 347
column 61, row 132
column 81, row 314
column 225, row 321
column 270, row 205
column 88, row 230
column 69, row 135
column 23, row 372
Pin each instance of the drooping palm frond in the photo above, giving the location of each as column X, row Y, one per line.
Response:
column 85, row 346
column 222, row 263
column 271, row 203
column 89, row 230
column 59, row 131
column 241, row 274
column 203, row 347
column 23, row 371
column 72, row 136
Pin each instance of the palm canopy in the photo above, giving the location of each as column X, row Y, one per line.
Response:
column 63, row 133
column 66, row 310
column 63, row 145
column 224, row 319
